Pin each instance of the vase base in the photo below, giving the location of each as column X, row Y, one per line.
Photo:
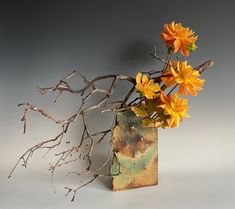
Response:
column 137, row 187
column 147, row 177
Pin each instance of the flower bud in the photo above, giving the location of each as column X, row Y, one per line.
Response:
column 170, row 50
column 192, row 47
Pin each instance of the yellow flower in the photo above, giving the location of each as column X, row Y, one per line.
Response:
column 179, row 38
column 147, row 87
column 175, row 107
column 185, row 76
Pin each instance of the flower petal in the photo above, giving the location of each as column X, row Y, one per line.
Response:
column 155, row 87
column 138, row 78
column 145, row 78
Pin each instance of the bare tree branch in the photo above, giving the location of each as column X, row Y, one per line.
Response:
column 86, row 145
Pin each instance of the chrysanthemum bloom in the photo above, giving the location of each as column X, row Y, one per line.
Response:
column 147, row 87
column 179, row 38
column 175, row 107
column 187, row 78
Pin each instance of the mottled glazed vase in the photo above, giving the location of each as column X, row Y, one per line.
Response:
column 135, row 162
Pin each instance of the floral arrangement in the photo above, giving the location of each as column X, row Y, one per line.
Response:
column 161, row 109
column 157, row 97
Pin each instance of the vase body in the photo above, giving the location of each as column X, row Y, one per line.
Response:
column 135, row 161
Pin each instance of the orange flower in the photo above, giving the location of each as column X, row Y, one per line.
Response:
column 179, row 38
column 147, row 87
column 167, row 76
column 185, row 76
column 175, row 107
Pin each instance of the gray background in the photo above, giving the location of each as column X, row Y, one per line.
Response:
column 41, row 41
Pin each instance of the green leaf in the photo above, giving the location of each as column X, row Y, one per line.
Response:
column 140, row 112
column 148, row 122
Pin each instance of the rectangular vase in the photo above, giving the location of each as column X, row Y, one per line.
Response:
column 135, row 161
